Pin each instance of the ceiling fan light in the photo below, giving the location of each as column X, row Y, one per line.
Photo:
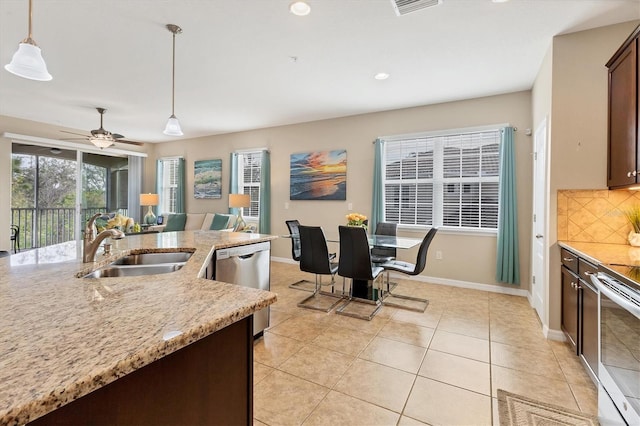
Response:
column 27, row 62
column 101, row 142
column 173, row 127
column 300, row 8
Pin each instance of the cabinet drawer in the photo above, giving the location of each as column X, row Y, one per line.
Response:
column 585, row 269
column 569, row 260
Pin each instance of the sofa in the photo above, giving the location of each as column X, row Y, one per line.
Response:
column 196, row 222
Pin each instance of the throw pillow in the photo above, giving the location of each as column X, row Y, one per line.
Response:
column 176, row 222
column 220, row 221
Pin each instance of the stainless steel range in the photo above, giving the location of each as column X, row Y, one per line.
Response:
column 619, row 360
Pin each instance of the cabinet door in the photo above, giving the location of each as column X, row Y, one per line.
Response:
column 569, row 284
column 623, row 119
column 589, row 340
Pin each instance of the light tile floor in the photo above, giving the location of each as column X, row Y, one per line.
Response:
column 440, row 367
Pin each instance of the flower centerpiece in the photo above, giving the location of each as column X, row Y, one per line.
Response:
column 633, row 214
column 356, row 219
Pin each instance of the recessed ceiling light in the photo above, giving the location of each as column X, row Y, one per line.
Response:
column 499, row 1
column 381, row 76
column 55, row 151
column 300, row 8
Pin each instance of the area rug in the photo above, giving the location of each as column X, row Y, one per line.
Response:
column 516, row 410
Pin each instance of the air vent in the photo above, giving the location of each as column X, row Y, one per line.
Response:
column 402, row 7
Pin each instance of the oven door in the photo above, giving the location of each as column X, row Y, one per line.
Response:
column 619, row 366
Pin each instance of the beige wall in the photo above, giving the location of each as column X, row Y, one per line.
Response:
column 578, row 118
column 356, row 134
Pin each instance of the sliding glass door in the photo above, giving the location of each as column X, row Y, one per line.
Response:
column 54, row 191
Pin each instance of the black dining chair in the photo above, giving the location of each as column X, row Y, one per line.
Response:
column 294, row 233
column 15, row 238
column 409, row 269
column 384, row 254
column 314, row 258
column 355, row 264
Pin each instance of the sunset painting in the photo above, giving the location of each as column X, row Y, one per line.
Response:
column 319, row 175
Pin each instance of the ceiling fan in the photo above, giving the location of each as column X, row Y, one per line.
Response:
column 103, row 138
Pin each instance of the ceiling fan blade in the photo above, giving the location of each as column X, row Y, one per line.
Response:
column 74, row 133
column 75, row 139
column 129, row 142
column 117, row 135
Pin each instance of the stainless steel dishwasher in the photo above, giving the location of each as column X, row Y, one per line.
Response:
column 248, row 266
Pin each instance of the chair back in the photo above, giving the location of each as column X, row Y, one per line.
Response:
column 355, row 257
column 314, row 254
column 421, row 260
column 295, row 238
column 385, row 228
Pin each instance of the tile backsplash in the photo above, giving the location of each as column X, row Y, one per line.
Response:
column 595, row 215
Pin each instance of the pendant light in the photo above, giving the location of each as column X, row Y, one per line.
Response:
column 27, row 62
column 173, row 125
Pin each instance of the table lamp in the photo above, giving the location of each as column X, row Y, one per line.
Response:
column 239, row 201
column 149, row 200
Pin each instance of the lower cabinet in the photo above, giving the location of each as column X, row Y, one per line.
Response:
column 209, row 382
column 580, row 309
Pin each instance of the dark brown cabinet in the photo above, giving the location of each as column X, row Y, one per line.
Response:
column 580, row 309
column 623, row 168
column 570, row 301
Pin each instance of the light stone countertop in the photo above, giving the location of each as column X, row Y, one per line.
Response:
column 603, row 253
column 62, row 336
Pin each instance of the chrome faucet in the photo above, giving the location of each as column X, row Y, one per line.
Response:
column 92, row 241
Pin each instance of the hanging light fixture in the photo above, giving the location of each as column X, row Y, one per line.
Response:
column 173, row 125
column 27, row 62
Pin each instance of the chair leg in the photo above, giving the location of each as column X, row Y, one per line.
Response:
column 421, row 303
column 304, row 285
column 317, row 291
column 341, row 309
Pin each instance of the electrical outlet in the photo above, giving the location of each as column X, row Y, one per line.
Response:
column 439, row 254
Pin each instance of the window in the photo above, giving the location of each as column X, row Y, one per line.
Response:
column 169, row 182
column 249, row 170
column 445, row 180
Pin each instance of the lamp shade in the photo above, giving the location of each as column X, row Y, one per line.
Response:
column 239, row 200
column 27, row 62
column 149, row 199
column 101, row 142
column 173, row 127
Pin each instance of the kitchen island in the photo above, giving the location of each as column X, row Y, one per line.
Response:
column 66, row 338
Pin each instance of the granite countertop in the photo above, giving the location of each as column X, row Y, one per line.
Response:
column 601, row 253
column 64, row 336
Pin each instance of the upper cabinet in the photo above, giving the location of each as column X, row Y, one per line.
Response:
column 623, row 168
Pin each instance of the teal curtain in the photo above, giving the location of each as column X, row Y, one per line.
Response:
column 377, row 207
column 508, row 262
column 159, row 170
column 233, row 178
column 180, row 191
column 264, row 220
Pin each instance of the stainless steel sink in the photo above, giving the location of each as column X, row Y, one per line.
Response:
column 153, row 258
column 133, row 271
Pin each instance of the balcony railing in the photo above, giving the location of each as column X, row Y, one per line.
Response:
column 45, row 227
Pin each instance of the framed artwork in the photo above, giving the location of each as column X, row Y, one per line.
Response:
column 207, row 182
column 320, row 175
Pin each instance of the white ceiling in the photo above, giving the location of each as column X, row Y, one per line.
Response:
column 235, row 66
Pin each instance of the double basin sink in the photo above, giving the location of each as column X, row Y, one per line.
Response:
column 143, row 264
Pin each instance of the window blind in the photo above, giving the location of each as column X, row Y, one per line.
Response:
column 448, row 180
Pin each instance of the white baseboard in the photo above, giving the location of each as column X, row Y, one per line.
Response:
column 441, row 281
column 553, row 334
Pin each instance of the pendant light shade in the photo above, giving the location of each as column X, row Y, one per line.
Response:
column 173, row 125
column 27, row 62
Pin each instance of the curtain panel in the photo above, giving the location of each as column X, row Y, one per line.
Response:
column 377, row 207
column 507, row 258
column 264, row 221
